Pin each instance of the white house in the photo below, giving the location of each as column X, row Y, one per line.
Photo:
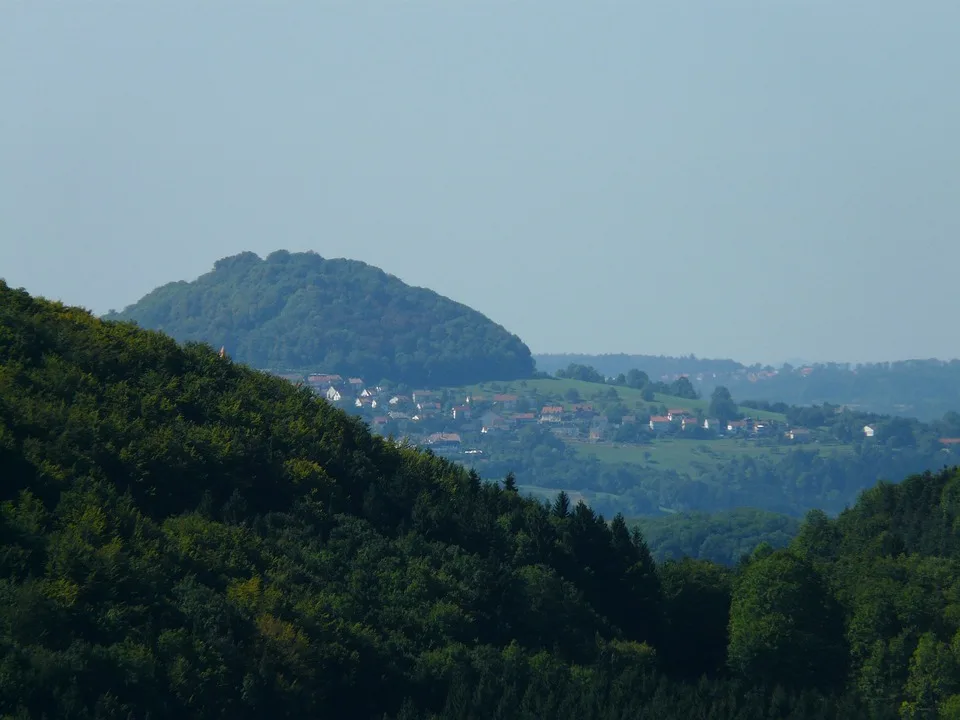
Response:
column 333, row 395
column 869, row 431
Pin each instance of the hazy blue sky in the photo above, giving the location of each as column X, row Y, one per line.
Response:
column 757, row 180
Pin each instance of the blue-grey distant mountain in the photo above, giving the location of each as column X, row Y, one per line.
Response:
column 299, row 311
column 656, row 366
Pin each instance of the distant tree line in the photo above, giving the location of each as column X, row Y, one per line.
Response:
column 925, row 389
column 633, row 378
column 724, row 537
column 657, row 366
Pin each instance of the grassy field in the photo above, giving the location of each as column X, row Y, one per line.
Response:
column 685, row 456
column 596, row 393
column 694, row 457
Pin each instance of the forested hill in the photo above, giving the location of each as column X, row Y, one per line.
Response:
column 301, row 312
column 181, row 536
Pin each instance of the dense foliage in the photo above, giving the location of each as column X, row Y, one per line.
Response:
column 633, row 378
column 723, row 537
column 299, row 311
column 184, row 537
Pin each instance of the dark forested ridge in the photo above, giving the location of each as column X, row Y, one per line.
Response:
column 299, row 311
column 181, row 536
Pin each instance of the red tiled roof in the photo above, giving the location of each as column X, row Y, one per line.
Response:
column 504, row 398
column 659, row 419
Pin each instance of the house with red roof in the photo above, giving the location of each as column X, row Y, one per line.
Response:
column 461, row 412
column 448, row 441
column 551, row 414
column 660, row 423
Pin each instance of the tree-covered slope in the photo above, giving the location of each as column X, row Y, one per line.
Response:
column 299, row 311
column 181, row 536
column 722, row 537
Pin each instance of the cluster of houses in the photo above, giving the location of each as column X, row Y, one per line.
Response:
column 453, row 423
column 684, row 420
column 440, row 420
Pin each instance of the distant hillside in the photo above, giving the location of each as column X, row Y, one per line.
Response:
column 656, row 366
column 602, row 448
column 299, row 311
column 924, row 389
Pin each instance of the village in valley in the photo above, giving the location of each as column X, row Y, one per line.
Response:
column 460, row 421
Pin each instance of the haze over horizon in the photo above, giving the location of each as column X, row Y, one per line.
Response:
column 755, row 182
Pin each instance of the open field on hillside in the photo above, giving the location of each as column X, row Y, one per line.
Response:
column 599, row 394
column 694, row 457
column 685, row 456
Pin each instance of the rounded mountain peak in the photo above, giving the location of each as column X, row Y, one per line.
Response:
column 302, row 312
